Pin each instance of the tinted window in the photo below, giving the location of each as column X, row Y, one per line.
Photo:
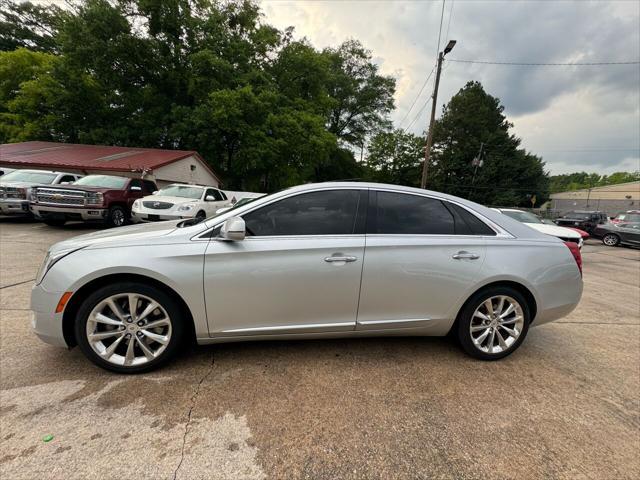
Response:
column 467, row 223
column 216, row 194
column 149, row 186
column 399, row 213
column 68, row 178
column 317, row 213
column 136, row 183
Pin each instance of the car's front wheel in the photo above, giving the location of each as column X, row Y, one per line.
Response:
column 611, row 239
column 493, row 323
column 129, row 327
column 116, row 216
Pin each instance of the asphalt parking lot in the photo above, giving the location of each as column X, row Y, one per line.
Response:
column 565, row 405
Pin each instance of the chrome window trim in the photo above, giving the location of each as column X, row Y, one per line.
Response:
column 500, row 232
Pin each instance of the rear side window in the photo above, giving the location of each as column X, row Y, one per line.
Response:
column 404, row 214
column 149, row 186
column 331, row 212
column 467, row 223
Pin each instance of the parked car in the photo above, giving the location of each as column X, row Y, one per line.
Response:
column 585, row 220
column 239, row 203
column 535, row 222
column 582, row 233
column 103, row 198
column 342, row 259
column 15, row 188
column 178, row 201
column 614, row 234
column 630, row 216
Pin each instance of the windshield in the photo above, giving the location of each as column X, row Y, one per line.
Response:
column 181, row 191
column 31, row 177
column 629, row 217
column 103, row 181
column 524, row 217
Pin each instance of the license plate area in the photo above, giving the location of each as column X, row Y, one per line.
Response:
column 153, row 218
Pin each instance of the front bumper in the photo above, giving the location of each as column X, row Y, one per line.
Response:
column 69, row 213
column 10, row 206
column 47, row 324
column 149, row 215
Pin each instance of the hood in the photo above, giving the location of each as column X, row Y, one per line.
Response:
column 82, row 188
column 554, row 230
column 141, row 234
column 168, row 199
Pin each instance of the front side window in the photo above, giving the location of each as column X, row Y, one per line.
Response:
column 331, row 212
column 405, row 214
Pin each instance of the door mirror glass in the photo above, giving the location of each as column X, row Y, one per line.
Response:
column 233, row 229
column 209, row 198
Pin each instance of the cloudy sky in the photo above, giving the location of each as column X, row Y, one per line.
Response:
column 575, row 117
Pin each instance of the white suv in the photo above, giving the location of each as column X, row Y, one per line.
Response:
column 177, row 201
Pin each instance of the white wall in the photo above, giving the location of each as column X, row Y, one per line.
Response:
column 181, row 172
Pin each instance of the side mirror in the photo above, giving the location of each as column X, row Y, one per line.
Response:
column 155, row 192
column 65, row 183
column 135, row 189
column 233, row 229
column 209, row 198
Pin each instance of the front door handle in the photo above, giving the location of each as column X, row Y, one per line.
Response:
column 340, row 258
column 463, row 254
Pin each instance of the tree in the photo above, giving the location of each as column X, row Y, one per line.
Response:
column 396, row 157
column 579, row 180
column 264, row 110
column 508, row 176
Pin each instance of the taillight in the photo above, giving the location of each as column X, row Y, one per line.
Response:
column 575, row 251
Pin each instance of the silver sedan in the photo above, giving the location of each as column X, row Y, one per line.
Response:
column 317, row 261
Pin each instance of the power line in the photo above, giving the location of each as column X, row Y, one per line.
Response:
column 417, row 96
column 440, row 29
column 449, row 22
column 571, row 64
column 418, row 114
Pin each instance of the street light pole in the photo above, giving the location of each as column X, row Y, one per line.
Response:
column 427, row 151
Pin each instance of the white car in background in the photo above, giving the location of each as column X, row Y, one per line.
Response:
column 16, row 185
column 528, row 218
column 177, row 201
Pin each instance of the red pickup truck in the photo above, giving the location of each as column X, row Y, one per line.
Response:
column 104, row 198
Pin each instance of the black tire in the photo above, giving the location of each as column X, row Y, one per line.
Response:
column 466, row 315
column 173, row 310
column 200, row 216
column 116, row 216
column 611, row 240
column 54, row 222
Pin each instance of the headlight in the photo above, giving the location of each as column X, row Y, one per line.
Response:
column 185, row 208
column 136, row 204
column 94, row 198
column 51, row 259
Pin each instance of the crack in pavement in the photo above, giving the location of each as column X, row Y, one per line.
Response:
column 194, row 399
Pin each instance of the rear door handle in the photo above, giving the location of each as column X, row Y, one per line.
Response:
column 340, row 258
column 468, row 255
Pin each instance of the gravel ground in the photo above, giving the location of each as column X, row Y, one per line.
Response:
column 566, row 405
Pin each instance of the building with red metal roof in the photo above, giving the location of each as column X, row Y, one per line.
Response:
column 163, row 166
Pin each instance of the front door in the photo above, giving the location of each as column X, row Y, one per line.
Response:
column 422, row 256
column 297, row 271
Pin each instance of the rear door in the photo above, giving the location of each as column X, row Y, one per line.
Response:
column 422, row 255
column 297, row 271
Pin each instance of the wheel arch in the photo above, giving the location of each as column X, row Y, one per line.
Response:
column 71, row 309
column 526, row 293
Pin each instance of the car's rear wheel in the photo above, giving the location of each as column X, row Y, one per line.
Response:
column 116, row 216
column 493, row 323
column 200, row 216
column 611, row 239
column 129, row 327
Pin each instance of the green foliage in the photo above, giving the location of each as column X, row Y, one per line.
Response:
column 578, row 180
column 508, row 176
column 266, row 111
column 396, row 157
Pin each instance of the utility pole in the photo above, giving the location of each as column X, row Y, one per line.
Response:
column 427, row 151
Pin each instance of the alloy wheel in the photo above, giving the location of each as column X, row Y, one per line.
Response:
column 496, row 324
column 610, row 240
column 117, row 217
column 128, row 329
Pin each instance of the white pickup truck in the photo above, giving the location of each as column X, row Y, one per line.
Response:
column 178, row 201
column 15, row 188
